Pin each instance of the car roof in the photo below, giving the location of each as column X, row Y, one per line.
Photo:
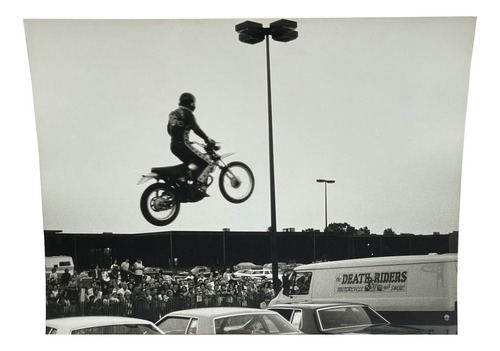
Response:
column 381, row 261
column 215, row 312
column 313, row 306
column 91, row 321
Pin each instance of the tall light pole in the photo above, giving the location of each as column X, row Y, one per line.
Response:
column 252, row 33
column 326, row 181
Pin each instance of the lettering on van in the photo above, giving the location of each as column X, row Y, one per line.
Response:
column 371, row 282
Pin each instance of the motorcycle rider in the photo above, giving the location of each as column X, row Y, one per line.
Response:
column 180, row 123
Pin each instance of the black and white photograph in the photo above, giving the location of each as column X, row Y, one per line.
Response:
column 253, row 174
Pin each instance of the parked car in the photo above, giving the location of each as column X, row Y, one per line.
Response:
column 203, row 270
column 339, row 318
column 258, row 273
column 152, row 271
column 240, row 272
column 100, row 325
column 225, row 320
column 246, row 265
column 281, row 266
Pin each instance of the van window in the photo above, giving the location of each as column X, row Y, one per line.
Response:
column 301, row 283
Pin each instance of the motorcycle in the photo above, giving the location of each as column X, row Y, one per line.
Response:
column 160, row 202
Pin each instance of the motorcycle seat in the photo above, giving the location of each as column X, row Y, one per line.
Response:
column 171, row 171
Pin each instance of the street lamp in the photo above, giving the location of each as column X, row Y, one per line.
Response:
column 326, row 181
column 252, row 33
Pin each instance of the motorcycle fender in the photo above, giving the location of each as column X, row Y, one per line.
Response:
column 146, row 177
column 226, row 155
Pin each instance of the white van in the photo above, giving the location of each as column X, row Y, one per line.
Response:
column 414, row 290
column 60, row 263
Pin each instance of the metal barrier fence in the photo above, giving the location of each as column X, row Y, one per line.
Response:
column 150, row 310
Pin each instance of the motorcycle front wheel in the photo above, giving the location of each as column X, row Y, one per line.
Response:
column 158, row 205
column 236, row 182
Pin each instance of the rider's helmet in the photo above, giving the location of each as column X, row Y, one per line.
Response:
column 188, row 100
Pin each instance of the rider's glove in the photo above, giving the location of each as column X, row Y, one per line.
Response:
column 212, row 144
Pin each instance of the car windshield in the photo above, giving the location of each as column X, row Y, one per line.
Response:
column 253, row 324
column 174, row 325
column 118, row 329
column 349, row 316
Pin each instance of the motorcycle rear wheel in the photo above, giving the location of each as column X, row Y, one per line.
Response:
column 236, row 182
column 158, row 205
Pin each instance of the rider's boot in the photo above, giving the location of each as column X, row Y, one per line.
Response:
column 202, row 184
column 203, row 188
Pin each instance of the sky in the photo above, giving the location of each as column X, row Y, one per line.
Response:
column 22, row 169
column 377, row 104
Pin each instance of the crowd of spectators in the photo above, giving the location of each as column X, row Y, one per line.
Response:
column 127, row 291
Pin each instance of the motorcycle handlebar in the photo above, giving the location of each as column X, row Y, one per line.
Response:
column 216, row 146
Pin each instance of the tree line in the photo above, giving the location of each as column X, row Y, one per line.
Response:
column 345, row 229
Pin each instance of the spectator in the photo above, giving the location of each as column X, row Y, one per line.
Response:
column 97, row 294
column 125, row 270
column 169, row 295
column 268, row 290
column 198, row 293
column 114, row 298
column 227, row 276
column 241, row 295
column 90, row 291
column 53, row 276
column 90, row 306
column 138, row 271
column 127, row 303
column 119, row 289
column 75, row 279
column 54, row 292
column 121, row 297
column 157, row 297
column 114, row 271
column 65, row 277
column 211, row 286
column 183, row 291
column 148, row 295
column 96, row 273
column 63, row 299
column 105, row 280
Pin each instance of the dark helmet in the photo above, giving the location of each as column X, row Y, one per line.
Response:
column 187, row 100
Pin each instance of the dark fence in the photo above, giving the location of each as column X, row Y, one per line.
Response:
column 151, row 310
column 220, row 249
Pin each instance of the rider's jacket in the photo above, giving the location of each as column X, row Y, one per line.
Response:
column 180, row 123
